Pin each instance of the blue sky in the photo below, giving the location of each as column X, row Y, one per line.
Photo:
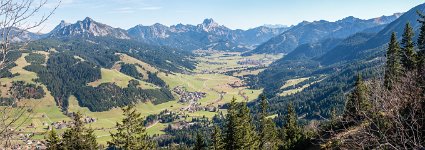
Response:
column 240, row 14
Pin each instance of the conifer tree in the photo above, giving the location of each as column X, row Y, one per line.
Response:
column 393, row 66
column 217, row 142
column 131, row 132
column 408, row 54
column 200, row 143
column 421, row 50
column 267, row 128
column 231, row 126
column 53, row 141
column 240, row 131
column 421, row 39
column 291, row 133
column 357, row 103
column 79, row 137
column 247, row 138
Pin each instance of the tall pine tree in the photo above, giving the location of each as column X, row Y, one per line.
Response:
column 357, row 103
column 291, row 133
column 79, row 137
column 200, row 143
column 421, row 39
column 53, row 141
column 408, row 54
column 216, row 138
column 393, row 66
column 267, row 128
column 231, row 126
column 131, row 132
column 246, row 133
column 240, row 131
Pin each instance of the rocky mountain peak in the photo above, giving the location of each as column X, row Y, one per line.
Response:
column 350, row 19
column 209, row 24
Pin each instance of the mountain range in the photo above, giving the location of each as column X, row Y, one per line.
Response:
column 207, row 35
column 312, row 32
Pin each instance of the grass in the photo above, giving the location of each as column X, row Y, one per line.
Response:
column 141, row 66
column 24, row 75
column 200, row 114
column 230, row 60
column 293, row 82
column 294, row 91
column 120, row 79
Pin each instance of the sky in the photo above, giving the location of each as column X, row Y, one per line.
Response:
column 235, row 14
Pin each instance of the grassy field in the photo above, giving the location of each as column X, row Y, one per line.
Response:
column 295, row 82
column 120, row 79
column 225, row 61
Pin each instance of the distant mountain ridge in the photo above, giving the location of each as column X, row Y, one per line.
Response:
column 88, row 28
column 207, row 35
column 312, row 32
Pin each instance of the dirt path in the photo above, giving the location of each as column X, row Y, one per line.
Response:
column 150, row 126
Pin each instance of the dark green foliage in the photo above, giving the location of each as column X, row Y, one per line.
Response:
column 131, row 70
column 108, row 95
column 267, row 129
column 421, row 45
column 78, row 136
column 240, row 131
column 408, row 53
column 11, row 57
column 200, row 143
column 53, row 141
column 231, row 126
column 159, row 96
column 393, row 66
column 22, row 90
column 131, row 133
column 216, row 139
column 102, row 51
column 6, row 101
column 35, row 58
column 187, row 134
column 421, row 39
column 64, row 75
column 291, row 133
column 154, row 79
column 357, row 103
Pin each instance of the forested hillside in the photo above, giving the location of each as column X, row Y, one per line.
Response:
column 332, row 72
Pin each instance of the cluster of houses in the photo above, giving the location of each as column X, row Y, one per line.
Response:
column 186, row 96
column 237, row 84
column 65, row 124
column 194, row 107
column 215, row 63
column 251, row 62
